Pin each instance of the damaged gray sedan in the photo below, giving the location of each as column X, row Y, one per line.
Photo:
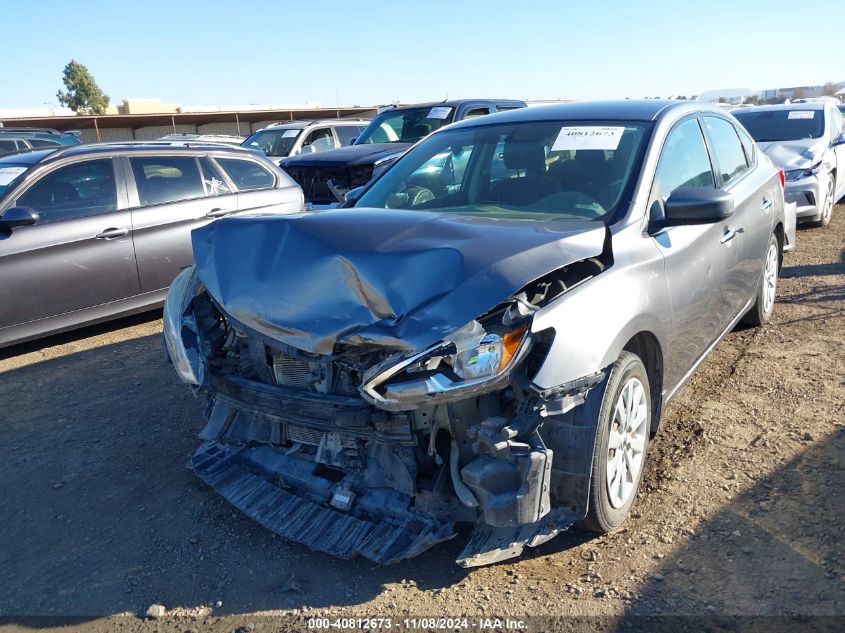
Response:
column 487, row 337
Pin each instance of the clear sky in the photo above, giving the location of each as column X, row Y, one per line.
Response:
column 210, row 52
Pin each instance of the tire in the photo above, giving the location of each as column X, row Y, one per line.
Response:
column 763, row 307
column 826, row 212
column 609, row 504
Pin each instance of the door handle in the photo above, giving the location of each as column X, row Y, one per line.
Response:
column 113, row 233
column 766, row 205
column 729, row 234
column 218, row 213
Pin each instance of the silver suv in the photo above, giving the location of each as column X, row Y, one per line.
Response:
column 93, row 232
column 281, row 140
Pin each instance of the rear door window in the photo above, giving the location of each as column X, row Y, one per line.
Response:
column 318, row 140
column 7, row 146
column 246, row 174
column 730, row 155
column 38, row 142
column 163, row 179
column 74, row 191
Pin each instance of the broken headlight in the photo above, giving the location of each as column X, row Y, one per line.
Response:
column 471, row 360
column 180, row 329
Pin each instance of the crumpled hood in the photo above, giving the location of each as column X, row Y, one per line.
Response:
column 794, row 154
column 398, row 279
column 364, row 154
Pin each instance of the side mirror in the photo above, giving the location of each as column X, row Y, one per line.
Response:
column 839, row 140
column 697, row 205
column 352, row 142
column 18, row 216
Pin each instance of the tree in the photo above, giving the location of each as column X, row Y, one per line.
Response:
column 829, row 89
column 83, row 95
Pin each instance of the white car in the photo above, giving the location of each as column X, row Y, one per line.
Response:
column 281, row 140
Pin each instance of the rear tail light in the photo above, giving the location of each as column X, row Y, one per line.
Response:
column 782, row 178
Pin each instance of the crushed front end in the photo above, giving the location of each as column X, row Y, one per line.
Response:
column 376, row 451
column 369, row 378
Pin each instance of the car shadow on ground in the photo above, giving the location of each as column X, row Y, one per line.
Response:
column 71, row 336
column 778, row 549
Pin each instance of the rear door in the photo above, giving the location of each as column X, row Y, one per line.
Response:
column 170, row 196
column 79, row 254
column 747, row 231
column 319, row 139
column 697, row 262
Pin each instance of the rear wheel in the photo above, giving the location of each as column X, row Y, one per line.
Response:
column 763, row 307
column 621, row 444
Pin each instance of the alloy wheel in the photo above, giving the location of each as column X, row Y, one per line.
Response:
column 626, row 442
column 770, row 279
column 827, row 210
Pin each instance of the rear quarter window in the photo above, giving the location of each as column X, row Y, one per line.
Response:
column 247, row 174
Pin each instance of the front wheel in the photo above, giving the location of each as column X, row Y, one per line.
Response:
column 826, row 212
column 621, row 444
column 763, row 307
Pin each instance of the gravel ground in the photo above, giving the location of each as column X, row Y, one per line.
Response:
column 741, row 513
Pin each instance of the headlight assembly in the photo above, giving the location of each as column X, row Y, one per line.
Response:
column 181, row 328
column 798, row 174
column 469, row 361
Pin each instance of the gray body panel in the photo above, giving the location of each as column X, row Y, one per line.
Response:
column 55, row 275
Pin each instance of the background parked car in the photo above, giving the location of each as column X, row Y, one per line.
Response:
column 386, row 138
column 44, row 134
column 489, row 339
column 281, row 140
column 92, row 232
column 226, row 139
column 21, row 139
column 807, row 141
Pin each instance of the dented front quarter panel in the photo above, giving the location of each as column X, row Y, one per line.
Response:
column 593, row 322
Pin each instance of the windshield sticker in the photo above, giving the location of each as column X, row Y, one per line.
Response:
column 289, row 133
column 588, row 137
column 8, row 174
column 801, row 114
column 439, row 112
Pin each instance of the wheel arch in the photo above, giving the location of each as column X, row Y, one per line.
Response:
column 647, row 347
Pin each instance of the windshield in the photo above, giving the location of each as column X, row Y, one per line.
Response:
column 273, row 142
column 579, row 170
column 407, row 125
column 782, row 125
column 8, row 175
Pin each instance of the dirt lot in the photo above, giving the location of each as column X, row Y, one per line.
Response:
column 743, row 510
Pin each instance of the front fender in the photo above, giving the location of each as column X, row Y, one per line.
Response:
column 593, row 322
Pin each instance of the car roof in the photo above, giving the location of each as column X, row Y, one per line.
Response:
column 49, row 155
column 623, row 110
column 805, row 105
column 304, row 123
column 454, row 103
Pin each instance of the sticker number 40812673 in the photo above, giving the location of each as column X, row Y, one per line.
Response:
column 588, row 137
